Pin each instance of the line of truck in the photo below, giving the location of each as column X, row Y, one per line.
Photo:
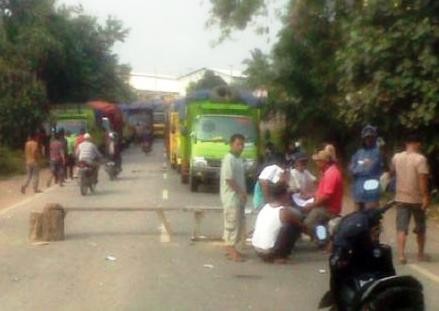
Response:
column 199, row 129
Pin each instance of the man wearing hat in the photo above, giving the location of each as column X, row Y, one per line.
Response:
column 301, row 180
column 329, row 195
column 89, row 153
column 366, row 168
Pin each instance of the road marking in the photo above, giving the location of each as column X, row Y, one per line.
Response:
column 165, row 194
column 165, row 176
column 429, row 275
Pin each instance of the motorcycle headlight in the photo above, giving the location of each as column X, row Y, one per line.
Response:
column 250, row 165
column 199, row 162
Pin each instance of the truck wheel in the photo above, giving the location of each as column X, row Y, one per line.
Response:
column 194, row 184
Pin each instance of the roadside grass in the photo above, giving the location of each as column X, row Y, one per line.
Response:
column 11, row 162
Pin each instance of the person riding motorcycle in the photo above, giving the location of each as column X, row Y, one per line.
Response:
column 88, row 153
column 113, row 150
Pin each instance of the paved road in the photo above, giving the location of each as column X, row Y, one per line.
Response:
column 147, row 274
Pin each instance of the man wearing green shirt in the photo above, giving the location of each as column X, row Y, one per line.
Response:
column 234, row 197
column 70, row 159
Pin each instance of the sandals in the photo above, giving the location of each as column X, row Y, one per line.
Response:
column 402, row 261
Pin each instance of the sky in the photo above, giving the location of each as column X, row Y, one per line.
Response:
column 170, row 37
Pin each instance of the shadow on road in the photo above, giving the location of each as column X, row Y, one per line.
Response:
column 105, row 192
column 127, row 178
column 88, row 235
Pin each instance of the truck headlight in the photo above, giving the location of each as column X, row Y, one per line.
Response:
column 250, row 165
column 199, row 162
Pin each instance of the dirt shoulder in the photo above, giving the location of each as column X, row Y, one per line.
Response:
column 10, row 189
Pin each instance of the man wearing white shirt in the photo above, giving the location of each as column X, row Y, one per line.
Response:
column 272, row 174
column 301, row 180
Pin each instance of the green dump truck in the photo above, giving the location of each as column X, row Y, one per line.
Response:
column 73, row 118
column 208, row 121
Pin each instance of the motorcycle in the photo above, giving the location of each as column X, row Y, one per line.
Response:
column 112, row 169
column 146, row 146
column 113, row 165
column 362, row 273
column 146, row 142
column 87, row 177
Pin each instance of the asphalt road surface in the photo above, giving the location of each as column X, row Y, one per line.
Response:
column 118, row 260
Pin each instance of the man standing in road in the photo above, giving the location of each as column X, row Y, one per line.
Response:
column 367, row 166
column 234, row 197
column 70, row 157
column 32, row 155
column 412, row 195
column 57, row 160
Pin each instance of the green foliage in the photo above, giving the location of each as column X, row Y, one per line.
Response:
column 54, row 55
column 209, row 81
column 11, row 162
column 339, row 64
column 388, row 68
column 234, row 14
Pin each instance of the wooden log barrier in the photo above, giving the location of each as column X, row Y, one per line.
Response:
column 47, row 225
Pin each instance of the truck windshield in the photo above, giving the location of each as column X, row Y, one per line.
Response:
column 221, row 128
column 72, row 126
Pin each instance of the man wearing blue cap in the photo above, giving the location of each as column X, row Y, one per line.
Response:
column 366, row 168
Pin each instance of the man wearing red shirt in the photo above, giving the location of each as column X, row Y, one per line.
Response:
column 329, row 196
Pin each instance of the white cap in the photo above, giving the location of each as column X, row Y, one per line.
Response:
column 87, row 136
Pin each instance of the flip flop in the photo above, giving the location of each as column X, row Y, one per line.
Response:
column 402, row 261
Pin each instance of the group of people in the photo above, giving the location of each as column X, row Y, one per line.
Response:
column 65, row 150
column 291, row 201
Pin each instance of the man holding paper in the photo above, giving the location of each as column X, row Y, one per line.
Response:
column 329, row 195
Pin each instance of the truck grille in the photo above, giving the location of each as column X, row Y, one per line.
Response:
column 213, row 163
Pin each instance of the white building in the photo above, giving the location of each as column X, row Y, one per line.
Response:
column 154, row 85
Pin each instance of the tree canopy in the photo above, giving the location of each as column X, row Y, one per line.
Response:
column 51, row 54
column 209, row 81
column 341, row 64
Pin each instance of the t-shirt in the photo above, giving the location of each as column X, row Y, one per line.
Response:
column 301, row 181
column 331, row 185
column 408, row 167
column 271, row 173
column 31, row 152
column 232, row 168
column 88, row 152
column 267, row 227
column 56, row 150
column 79, row 140
column 71, row 141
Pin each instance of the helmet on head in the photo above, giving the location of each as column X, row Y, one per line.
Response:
column 87, row 136
column 368, row 131
column 112, row 135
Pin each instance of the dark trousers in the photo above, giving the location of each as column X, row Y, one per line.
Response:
column 68, row 169
column 286, row 239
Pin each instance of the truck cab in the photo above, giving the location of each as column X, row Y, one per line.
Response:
column 207, row 127
column 210, row 143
